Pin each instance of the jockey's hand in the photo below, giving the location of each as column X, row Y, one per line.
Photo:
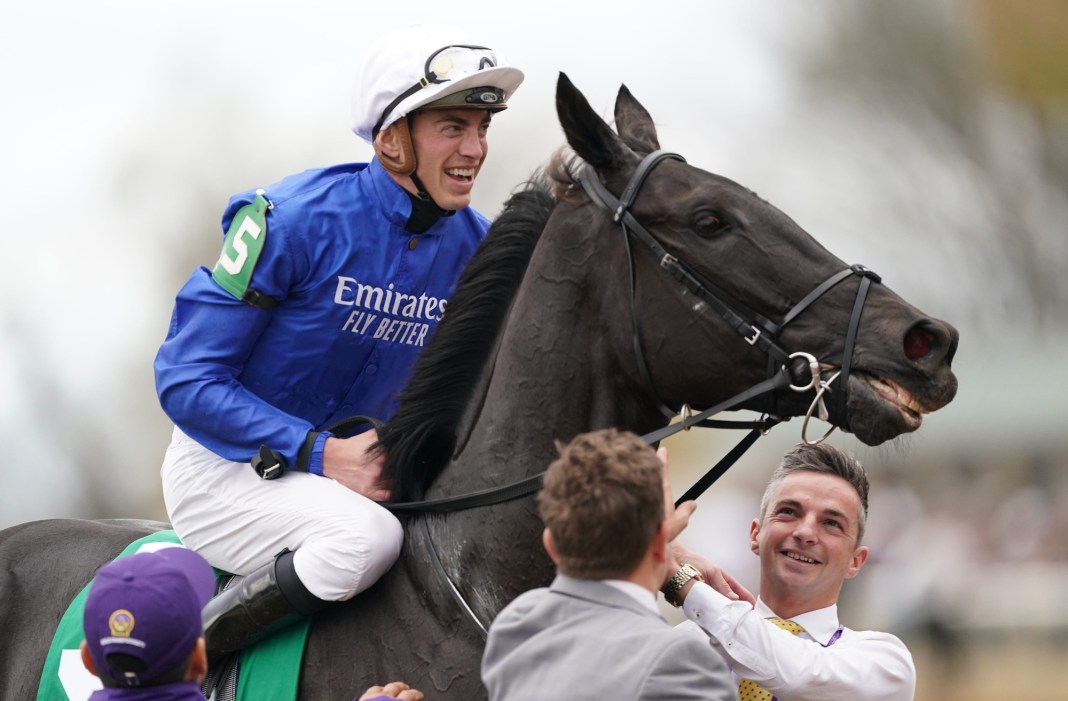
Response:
column 393, row 690
column 715, row 576
column 350, row 462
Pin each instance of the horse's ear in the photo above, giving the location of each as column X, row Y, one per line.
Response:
column 590, row 137
column 634, row 123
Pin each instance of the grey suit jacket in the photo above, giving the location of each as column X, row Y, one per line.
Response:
column 583, row 639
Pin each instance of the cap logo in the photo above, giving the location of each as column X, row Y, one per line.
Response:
column 442, row 65
column 121, row 623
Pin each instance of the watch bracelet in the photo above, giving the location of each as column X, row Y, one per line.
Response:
column 674, row 585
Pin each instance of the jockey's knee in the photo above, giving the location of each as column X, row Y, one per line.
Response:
column 341, row 566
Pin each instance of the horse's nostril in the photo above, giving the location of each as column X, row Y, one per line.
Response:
column 918, row 342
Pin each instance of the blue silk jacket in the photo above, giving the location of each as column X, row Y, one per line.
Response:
column 358, row 297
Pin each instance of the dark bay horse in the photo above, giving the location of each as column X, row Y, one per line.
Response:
column 565, row 321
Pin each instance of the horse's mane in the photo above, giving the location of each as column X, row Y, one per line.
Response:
column 420, row 438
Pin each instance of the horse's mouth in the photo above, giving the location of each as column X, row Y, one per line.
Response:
column 897, row 398
column 879, row 409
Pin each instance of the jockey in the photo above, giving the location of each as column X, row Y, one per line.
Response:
column 329, row 284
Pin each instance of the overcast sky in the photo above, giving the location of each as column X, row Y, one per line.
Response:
column 121, row 121
column 118, row 118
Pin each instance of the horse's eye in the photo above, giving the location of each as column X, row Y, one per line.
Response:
column 710, row 224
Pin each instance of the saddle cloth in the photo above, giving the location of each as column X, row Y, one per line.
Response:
column 269, row 670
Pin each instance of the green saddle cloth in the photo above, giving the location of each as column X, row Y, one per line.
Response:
column 269, row 670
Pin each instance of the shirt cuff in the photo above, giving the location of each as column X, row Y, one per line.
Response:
column 315, row 461
column 707, row 607
column 695, row 606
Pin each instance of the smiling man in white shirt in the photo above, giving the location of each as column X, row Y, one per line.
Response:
column 788, row 644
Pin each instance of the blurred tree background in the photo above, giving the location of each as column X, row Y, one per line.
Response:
column 938, row 134
column 927, row 139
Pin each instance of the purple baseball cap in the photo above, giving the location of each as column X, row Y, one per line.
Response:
column 147, row 605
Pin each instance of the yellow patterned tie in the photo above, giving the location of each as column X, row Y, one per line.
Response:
column 749, row 691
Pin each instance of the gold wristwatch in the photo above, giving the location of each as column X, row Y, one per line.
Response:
column 674, row 585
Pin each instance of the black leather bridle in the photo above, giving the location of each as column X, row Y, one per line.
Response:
column 798, row 370
column 784, row 368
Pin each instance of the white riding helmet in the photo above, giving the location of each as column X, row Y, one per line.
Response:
column 426, row 67
column 414, row 66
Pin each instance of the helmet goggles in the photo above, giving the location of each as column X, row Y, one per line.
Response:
column 450, row 64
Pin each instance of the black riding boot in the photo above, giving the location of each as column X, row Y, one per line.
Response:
column 265, row 601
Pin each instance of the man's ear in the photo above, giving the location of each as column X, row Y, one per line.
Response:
column 199, row 667
column 87, row 659
column 394, row 148
column 754, row 531
column 860, row 556
column 659, row 545
column 547, row 542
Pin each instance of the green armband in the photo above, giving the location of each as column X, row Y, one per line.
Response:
column 241, row 249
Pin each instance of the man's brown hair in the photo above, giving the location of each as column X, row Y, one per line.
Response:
column 603, row 502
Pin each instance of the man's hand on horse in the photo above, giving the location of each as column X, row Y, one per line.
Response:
column 351, row 462
column 677, row 518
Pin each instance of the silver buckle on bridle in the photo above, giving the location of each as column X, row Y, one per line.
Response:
column 684, row 415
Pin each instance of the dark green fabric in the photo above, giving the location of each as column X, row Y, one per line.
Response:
column 270, row 669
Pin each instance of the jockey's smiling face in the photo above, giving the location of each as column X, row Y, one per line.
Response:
column 451, row 147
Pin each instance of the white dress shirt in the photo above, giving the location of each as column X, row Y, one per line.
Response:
column 818, row 664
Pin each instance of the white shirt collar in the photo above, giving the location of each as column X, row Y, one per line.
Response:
column 637, row 592
column 820, row 624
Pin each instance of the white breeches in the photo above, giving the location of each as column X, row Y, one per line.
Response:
column 343, row 541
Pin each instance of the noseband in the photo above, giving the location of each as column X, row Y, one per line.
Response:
column 798, row 370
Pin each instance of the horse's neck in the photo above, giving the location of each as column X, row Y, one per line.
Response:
column 564, row 365
column 559, row 370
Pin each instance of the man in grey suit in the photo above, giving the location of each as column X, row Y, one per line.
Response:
column 596, row 632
